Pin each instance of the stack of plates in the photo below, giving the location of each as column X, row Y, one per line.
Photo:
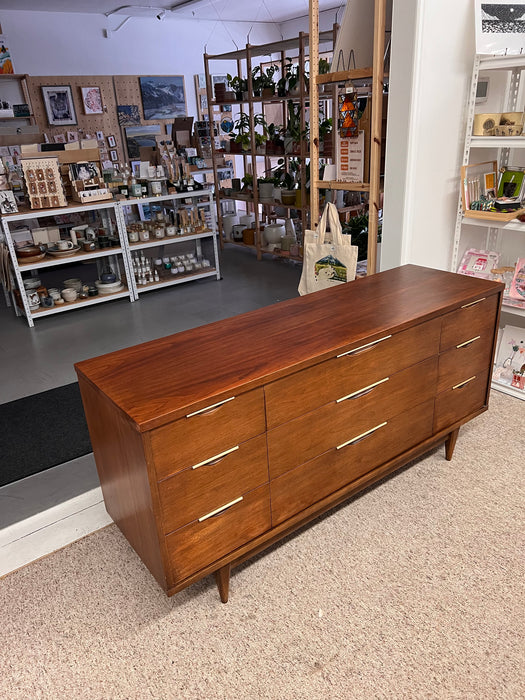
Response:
column 53, row 250
column 109, row 287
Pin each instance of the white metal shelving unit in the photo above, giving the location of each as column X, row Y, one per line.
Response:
column 176, row 201
column 105, row 208
column 113, row 214
column 497, row 233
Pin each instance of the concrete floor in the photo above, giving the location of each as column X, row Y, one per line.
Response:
column 46, row 511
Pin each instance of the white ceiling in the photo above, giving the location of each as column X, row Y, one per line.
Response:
column 228, row 10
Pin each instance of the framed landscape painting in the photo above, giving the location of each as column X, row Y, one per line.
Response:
column 163, row 97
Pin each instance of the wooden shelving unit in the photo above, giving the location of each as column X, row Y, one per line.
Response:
column 376, row 74
column 244, row 58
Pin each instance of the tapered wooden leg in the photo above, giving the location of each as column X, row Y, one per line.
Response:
column 222, row 578
column 451, row 443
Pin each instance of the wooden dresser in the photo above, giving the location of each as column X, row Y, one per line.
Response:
column 213, row 443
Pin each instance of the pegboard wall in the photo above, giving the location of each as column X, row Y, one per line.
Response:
column 87, row 124
column 115, row 90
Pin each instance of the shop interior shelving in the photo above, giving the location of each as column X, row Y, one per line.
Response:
column 113, row 216
column 275, row 52
column 485, row 231
column 377, row 76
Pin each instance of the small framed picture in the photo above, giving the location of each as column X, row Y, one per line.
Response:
column 92, row 99
column 7, row 202
column 113, row 155
column 112, row 141
column 60, row 108
column 100, row 136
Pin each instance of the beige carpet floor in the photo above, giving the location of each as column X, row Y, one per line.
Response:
column 412, row 590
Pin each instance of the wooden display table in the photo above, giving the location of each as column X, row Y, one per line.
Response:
column 213, row 443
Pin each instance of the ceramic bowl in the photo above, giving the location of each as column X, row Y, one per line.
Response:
column 107, row 285
column 32, row 283
column 29, row 251
column 69, row 294
column 73, row 283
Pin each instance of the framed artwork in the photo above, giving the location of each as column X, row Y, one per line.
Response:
column 511, row 182
column 138, row 137
column 59, row 138
column 72, row 136
column 92, row 99
column 6, row 62
column 7, row 202
column 84, row 170
column 500, row 26
column 100, row 136
column 113, row 155
column 60, row 108
column 163, row 97
column 112, row 141
column 128, row 115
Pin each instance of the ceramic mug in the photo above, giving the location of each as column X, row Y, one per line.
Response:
column 65, row 245
column 89, row 246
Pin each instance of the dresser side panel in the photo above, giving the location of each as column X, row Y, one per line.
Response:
column 123, row 473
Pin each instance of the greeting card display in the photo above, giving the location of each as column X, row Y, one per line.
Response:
column 478, row 263
column 517, row 286
column 44, row 186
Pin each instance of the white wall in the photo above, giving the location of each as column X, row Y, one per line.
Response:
column 52, row 43
column 432, row 57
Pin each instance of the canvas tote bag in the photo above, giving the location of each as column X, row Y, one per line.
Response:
column 330, row 259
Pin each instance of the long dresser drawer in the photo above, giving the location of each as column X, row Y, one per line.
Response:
column 461, row 399
column 303, row 438
column 361, row 366
column 301, row 487
column 208, row 432
column 474, row 318
column 187, row 495
column 202, row 542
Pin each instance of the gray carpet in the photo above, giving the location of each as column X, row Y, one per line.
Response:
column 412, row 590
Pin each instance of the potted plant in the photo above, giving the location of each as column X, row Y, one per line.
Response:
column 257, row 81
column 267, row 82
column 274, row 144
column 325, row 137
column 238, row 85
column 293, row 133
column 261, row 137
column 266, row 186
column 242, row 129
column 324, row 67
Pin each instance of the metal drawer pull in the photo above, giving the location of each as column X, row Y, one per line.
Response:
column 360, row 437
column 458, row 386
column 364, row 347
column 217, row 458
column 219, row 510
column 362, row 392
column 465, row 306
column 467, row 342
column 209, row 408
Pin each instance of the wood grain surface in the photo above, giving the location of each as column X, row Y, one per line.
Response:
column 156, row 382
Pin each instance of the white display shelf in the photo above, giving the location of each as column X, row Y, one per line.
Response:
column 497, row 142
column 502, row 62
column 505, row 308
column 69, row 209
column 165, row 197
column 78, row 257
column 507, row 389
column 513, row 225
column 177, row 279
column 78, row 303
column 169, row 240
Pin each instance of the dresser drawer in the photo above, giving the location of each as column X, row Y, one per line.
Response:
column 308, row 436
column 472, row 319
column 304, row 391
column 192, row 492
column 200, row 543
column 465, row 359
column 303, row 486
column 460, row 400
column 209, row 432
